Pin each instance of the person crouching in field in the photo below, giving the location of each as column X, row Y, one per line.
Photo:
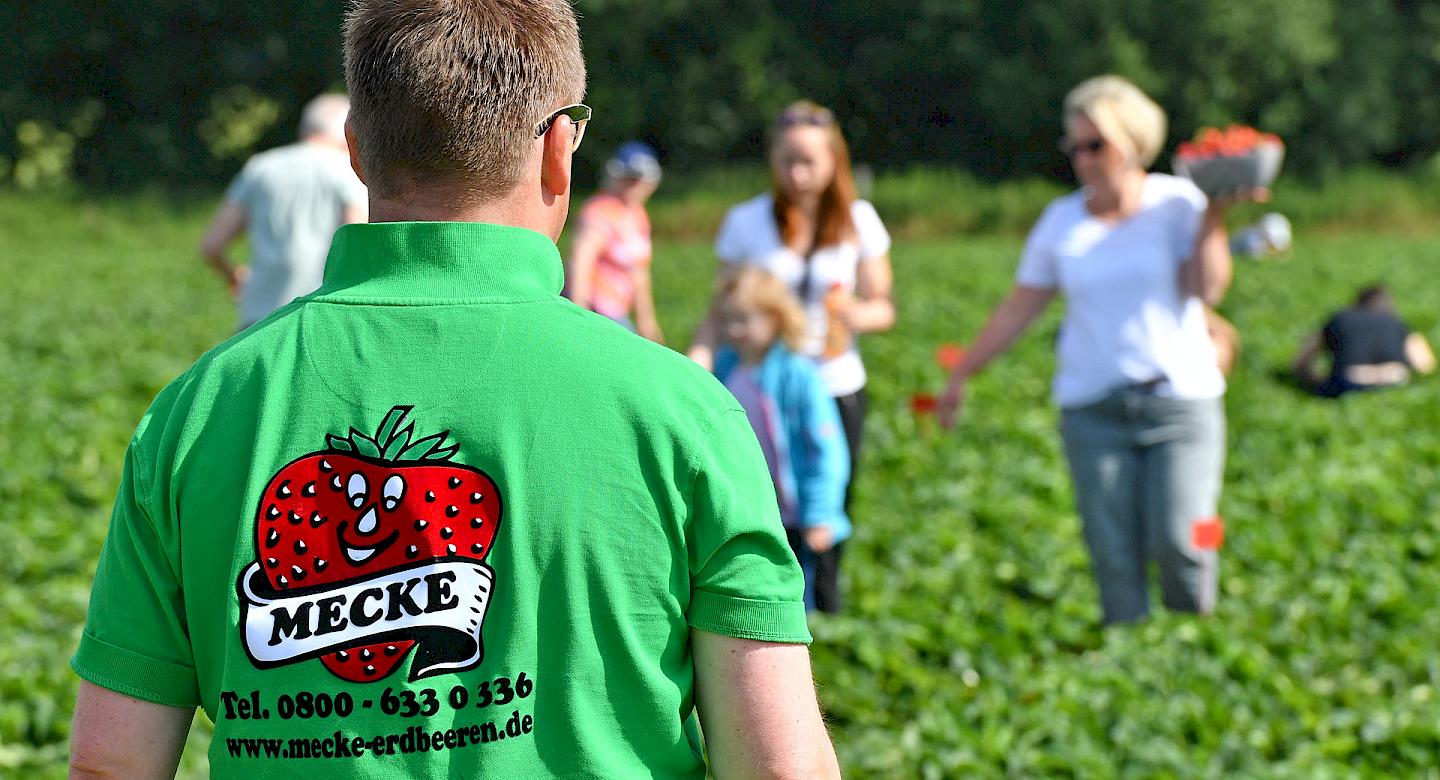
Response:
column 290, row 201
column 1138, row 257
column 789, row 407
column 609, row 267
column 1369, row 346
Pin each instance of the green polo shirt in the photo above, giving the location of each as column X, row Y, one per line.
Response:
column 436, row 521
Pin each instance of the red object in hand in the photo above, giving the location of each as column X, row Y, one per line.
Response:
column 948, row 356
column 1233, row 141
column 922, row 403
column 1208, row 533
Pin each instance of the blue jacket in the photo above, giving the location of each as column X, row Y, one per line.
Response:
column 819, row 459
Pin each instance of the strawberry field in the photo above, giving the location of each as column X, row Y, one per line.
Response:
column 969, row 647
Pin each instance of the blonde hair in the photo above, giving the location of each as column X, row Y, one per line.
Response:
column 451, row 91
column 752, row 288
column 1123, row 114
column 836, row 225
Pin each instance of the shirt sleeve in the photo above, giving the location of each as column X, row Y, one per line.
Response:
column 242, row 187
column 1039, row 267
column 730, row 241
column 874, row 238
column 744, row 580
column 1330, row 335
column 135, row 640
column 595, row 218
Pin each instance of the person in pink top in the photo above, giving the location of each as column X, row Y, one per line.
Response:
column 608, row 270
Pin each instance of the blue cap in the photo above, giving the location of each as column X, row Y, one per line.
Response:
column 634, row 160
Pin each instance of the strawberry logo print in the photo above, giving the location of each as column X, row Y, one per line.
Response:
column 369, row 549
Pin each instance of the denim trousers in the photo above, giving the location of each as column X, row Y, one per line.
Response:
column 1147, row 471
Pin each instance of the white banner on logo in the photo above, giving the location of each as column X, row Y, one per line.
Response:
column 441, row 604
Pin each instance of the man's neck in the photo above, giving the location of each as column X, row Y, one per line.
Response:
column 494, row 212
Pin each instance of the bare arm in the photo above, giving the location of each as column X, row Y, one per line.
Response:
column 1418, row 352
column 1310, row 351
column 116, row 737
column 225, row 228
column 580, row 271
column 707, row 334
column 707, row 337
column 1006, row 323
column 874, row 311
column 645, row 319
column 1207, row 275
column 758, row 710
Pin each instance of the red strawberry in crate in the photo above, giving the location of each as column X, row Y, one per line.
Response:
column 1237, row 159
column 368, row 505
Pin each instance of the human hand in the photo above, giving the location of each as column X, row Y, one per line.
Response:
column 703, row 356
column 235, row 280
column 819, row 538
column 842, row 305
column 1221, row 204
column 947, row 406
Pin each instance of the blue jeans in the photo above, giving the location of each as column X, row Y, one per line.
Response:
column 1147, row 470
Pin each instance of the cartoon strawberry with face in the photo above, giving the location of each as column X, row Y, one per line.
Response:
column 368, row 505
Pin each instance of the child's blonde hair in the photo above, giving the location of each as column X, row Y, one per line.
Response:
column 755, row 288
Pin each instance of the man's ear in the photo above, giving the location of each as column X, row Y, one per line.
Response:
column 354, row 152
column 556, row 158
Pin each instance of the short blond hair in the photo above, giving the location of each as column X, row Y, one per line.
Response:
column 1123, row 114
column 750, row 287
column 450, row 91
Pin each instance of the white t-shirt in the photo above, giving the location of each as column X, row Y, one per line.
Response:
column 294, row 199
column 750, row 236
column 1126, row 319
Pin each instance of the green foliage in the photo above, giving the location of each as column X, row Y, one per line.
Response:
column 184, row 92
column 111, row 304
column 239, row 118
column 969, row 647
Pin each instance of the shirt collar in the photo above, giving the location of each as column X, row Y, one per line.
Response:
column 449, row 261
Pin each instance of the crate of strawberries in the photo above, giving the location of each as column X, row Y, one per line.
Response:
column 1223, row 162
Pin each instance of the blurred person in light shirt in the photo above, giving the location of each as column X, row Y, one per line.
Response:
column 608, row 270
column 289, row 201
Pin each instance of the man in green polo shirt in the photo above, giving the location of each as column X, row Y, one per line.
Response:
column 434, row 520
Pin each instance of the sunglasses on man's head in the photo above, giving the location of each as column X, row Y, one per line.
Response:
column 1071, row 148
column 579, row 114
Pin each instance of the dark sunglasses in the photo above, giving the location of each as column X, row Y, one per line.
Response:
column 1072, row 148
column 579, row 114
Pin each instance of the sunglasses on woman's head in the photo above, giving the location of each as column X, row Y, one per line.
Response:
column 1072, row 148
column 806, row 119
column 579, row 114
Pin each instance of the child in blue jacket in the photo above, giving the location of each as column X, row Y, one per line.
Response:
column 793, row 415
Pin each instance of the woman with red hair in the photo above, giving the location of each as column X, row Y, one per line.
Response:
column 833, row 252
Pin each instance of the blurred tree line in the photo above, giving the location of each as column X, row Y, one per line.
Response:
column 113, row 93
